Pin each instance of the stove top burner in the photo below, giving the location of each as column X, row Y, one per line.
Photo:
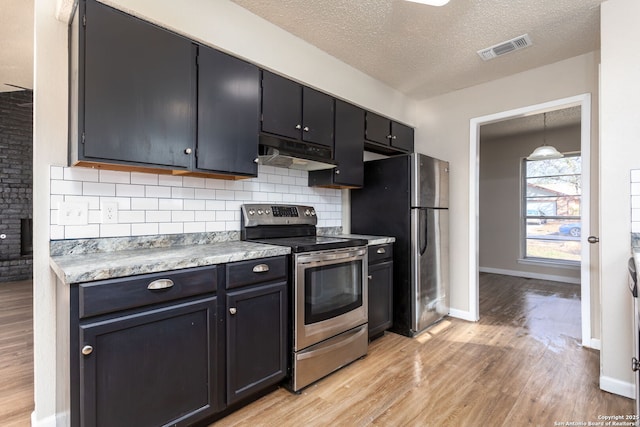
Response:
column 312, row 243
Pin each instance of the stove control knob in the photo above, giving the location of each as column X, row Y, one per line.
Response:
column 313, row 212
column 307, row 212
column 252, row 212
column 267, row 212
column 260, row 211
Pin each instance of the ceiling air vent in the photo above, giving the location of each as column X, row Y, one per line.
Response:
column 503, row 48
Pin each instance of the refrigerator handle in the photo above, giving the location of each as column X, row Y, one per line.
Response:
column 422, row 232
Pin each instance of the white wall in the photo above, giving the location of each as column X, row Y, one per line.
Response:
column 443, row 131
column 619, row 153
column 500, row 206
column 218, row 23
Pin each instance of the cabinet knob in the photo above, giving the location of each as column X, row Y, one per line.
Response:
column 394, row 137
column 87, row 350
column 369, row 277
column 381, row 251
column 337, row 171
column 232, row 310
column 256, row 160
column 389, row 136
column 306, row 129
column 298, row 127
column 187, row 151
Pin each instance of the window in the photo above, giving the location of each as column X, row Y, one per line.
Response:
column 551, row 202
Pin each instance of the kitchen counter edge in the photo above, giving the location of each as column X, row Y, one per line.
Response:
column 100, row 266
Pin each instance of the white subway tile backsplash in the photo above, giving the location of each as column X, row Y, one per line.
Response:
column 115, row 177
column 635, row 175
column 151, row 204
column 98, row 189
column 128, row 190
column 635, row 200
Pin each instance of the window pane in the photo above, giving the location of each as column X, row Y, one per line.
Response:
column 552, row 198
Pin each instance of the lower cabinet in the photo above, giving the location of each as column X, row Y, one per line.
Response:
column 151, row 368
column 380, row 289
column 256, row 339
column 158, row 349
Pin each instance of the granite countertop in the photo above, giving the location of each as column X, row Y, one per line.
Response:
column 373, row 240
column 78, row 268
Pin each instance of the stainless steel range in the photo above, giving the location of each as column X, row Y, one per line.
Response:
column 328, row 289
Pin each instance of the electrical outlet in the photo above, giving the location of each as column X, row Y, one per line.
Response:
column 73, row 213
column 109, row 212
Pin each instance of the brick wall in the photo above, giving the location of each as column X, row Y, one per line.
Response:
column 16, row 160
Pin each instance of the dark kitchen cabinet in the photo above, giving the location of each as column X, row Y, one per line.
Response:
column 137, row 92
column 348, row 150
column 380, row 289
column 256, row 326
column 148, row 357
column 295, row 111
column 228, row 114
column 387, row 136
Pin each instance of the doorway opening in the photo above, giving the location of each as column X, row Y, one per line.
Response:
column 584, row 104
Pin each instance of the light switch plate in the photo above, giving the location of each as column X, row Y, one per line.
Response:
column 109, row 212
column 73, row 213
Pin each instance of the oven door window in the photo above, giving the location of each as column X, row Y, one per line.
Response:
column 332, row 290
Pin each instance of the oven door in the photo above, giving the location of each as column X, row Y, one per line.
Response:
column 330, row 294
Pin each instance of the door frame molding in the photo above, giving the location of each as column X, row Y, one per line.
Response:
column 584, row 101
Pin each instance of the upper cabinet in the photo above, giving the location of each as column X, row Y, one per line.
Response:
column 386, row 136
column 349, row 146
column 146, row 97
column 295, row 111
column 228, row 113
column 137, row 91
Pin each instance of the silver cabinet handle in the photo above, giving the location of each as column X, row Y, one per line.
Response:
column 593, row 239
column 233, row 310
column 394, row 137
column 389, row 136
column 261, row 268
column 256, row 160
column 369, row 277
column 381, row 251
column 160, row 284
column 187, row 151
column 337, row 171
column 298, row 127
column 306, row 129
column 87, row 350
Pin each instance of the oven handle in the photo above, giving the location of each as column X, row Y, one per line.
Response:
column 325, row 256
column 332, row 347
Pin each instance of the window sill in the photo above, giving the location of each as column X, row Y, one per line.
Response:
column 569, row 265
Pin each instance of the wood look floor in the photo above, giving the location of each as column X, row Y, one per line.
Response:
column 522, row 364
column 16, row 353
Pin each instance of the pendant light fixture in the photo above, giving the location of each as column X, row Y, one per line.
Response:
column 431, row 2
column 545, row 151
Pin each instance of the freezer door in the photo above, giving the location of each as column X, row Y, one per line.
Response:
column 430, row 182
column 430, row 267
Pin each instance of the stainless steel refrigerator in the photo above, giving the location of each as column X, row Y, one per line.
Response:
column 407, row 197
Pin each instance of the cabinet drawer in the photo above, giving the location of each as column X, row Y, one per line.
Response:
column 245, row 273
column 107, row 296
column 379, row 253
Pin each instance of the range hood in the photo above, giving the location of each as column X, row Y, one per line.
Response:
column 285, row 153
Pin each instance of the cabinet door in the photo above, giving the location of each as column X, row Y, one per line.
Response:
column 377, row 129
column 380, row 297
column 256, row 339
column 402, row 137
column 281, row 106
column 317, row 117
column 349, row 144
column 139, row 91
column 151, row 368
column 228, row 113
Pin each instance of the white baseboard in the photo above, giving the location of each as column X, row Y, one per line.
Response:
column 460, row 314
column 56, row 420
column 615, row 386
column 529, row 275
column 594, row 344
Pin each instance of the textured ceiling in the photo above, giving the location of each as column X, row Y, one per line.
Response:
column 16, row 44
column 424, row 51
column 554, row 120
